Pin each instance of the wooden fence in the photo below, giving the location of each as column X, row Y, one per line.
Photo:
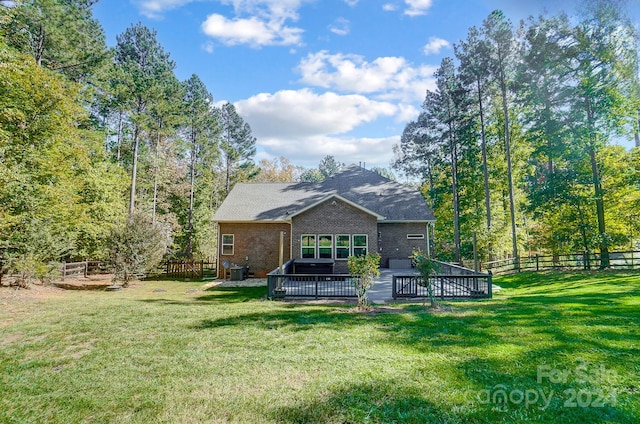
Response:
column 84, row 268
column 190, row 269
column 617, row 260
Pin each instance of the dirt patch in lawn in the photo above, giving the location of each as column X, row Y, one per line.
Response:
column 55, row 289
column 91, row 282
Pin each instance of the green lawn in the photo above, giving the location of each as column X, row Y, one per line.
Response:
column 562, row 347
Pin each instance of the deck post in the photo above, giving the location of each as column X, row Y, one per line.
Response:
column 393, row 287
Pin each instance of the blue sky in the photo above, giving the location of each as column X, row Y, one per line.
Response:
column 315, row 77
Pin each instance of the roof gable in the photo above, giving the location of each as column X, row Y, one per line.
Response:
column 342, row 199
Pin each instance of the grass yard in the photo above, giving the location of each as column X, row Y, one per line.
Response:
column 550, row 347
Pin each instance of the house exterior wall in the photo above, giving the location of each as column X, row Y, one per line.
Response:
column 334, row 216
column 259, row 242
column 394, row 243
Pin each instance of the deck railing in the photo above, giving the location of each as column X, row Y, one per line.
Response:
column 450, row 281
column 308, row 285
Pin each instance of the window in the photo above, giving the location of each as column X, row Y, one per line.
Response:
column 227, row 244
column 343, row 246
column 360, row 245
column 308, row 246
column 325, row 246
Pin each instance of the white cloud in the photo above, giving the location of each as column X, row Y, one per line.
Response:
column 289, row 113
column 389, row 7
column 305, row 126
column 386, row 77
column 155, row 8
column 351, row 3
column 417, row 7
column 435, row 44
column 340, row 26
column 257, row 23
column 308, row 151
column 208, row 47
column 251, row 31
column 407, row 113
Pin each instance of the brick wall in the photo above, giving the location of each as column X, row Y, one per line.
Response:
column 394, row 243
column 334, row 216
column 258, row 242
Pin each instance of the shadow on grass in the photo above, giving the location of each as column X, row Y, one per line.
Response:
column 227, row 295
column 291, row 318
column 378, row 401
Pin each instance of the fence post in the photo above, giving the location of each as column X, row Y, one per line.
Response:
column 86, row 268
column 537, row 263
column 64, row 270
column 490, row 279
column 316, row 279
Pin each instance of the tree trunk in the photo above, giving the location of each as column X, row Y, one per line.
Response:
column 228, row 176
column 134, row 172
column 507, row 145
column 120, row 119
column 191, row 196
column 155, row 178
column 40, row 46
column 485, row 169
column 597, row 190
column 456, row 208
column 636, row 133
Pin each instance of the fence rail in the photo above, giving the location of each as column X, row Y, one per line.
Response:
column 84, row 268
column 190, row 269
column 617, row 260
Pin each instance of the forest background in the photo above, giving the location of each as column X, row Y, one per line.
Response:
column 514, row 148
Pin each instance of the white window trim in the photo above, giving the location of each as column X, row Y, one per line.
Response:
column 415, row 236
column 332, row 252
column 223, row 244
column 315, row 244
column 353, row 243
column 348, row 236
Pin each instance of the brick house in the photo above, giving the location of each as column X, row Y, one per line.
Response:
column 354, row 212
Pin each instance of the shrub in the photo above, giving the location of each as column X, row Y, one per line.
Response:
column 136, row 247
column 426, row 267
column 366, row 268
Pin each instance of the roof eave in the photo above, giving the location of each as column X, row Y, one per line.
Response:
column 401, row 221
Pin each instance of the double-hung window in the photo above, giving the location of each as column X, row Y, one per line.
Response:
column 343, row 246
column 325, row 246
column 308, row 246
column 227, row 244
column 360, row 244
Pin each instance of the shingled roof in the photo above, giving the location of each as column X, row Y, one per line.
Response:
column 276, row 202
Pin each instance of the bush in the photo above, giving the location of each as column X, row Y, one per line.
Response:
column 426, row 267
column 366, row 268
column 136, row 247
